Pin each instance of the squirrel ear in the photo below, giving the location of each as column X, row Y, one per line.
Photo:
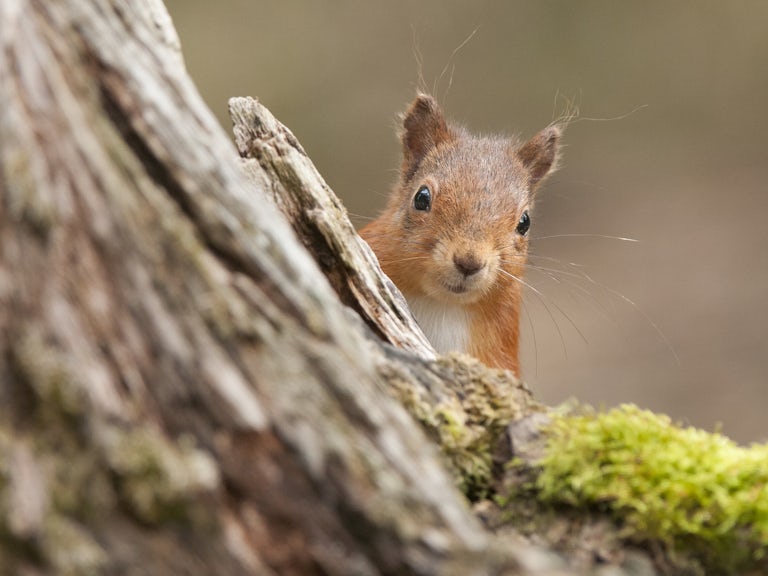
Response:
column 424, row 127
column 539, row 154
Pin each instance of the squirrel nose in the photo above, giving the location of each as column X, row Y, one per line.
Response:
column 468, row 264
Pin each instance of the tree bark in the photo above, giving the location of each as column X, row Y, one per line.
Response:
column 202, row 368
column 181, row 389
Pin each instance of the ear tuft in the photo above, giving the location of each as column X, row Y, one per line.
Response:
column 539, row 154
column 424, row 128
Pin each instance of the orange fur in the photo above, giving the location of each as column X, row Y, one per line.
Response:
column 459, row 258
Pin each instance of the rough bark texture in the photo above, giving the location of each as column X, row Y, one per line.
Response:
column 277, row 163
column 182, row 389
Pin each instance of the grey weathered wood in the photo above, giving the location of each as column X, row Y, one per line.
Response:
column 181, row 389
column 277, row 162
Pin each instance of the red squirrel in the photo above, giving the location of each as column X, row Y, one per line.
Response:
column 454, row 234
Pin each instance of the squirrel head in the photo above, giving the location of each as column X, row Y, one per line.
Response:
column 462, row 207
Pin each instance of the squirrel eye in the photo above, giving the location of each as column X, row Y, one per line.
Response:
column 524, row 224
column 422, row 200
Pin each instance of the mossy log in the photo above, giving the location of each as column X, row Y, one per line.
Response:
column 203, row 370
column 181, row 389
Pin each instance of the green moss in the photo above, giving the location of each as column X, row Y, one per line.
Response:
column 58, row 542
column 69, row 550
column 48, row 373
column 157, row 479
column 698, row 493
column 26, row 199
column 57, row 428
column 468, row 423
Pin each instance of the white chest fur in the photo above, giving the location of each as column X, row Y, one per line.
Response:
column 445, row 325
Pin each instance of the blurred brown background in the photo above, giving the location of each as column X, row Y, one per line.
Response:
column 677, row 159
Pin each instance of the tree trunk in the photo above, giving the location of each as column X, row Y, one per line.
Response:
column 181, row 389
column 202, row 368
